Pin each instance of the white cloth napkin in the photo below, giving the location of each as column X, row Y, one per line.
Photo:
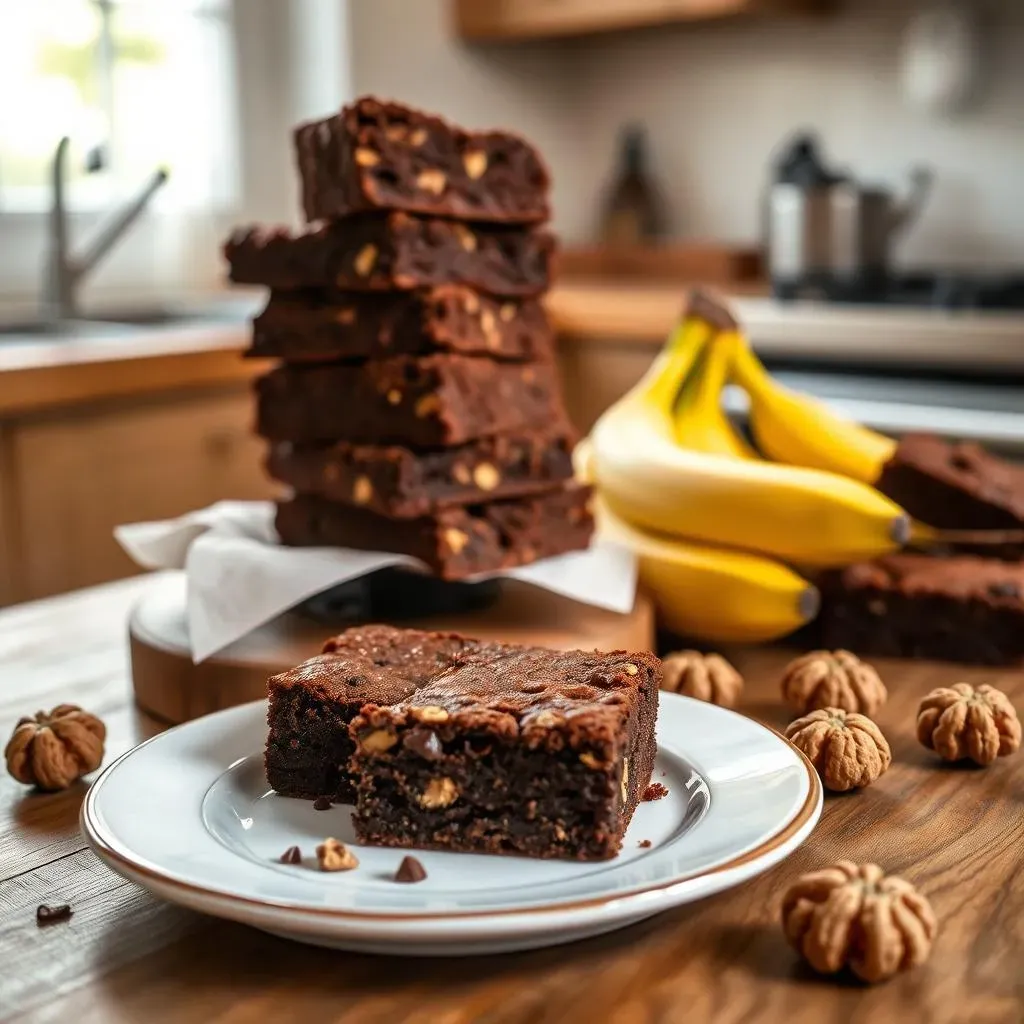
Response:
column 239, row 576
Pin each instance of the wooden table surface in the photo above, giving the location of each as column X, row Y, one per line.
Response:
column 958, row 833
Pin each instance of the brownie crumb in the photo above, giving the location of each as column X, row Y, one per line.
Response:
column 655, row 791
column 322, row 803
column 663, row 775
column 645, row 844
column 52, row 915
column 293, row 855
column 410, row 870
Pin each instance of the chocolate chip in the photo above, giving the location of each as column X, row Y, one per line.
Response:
column 410, row 870
column 52, row 915
column 475, row 746
column 1004, row 588
column 322, row 803
column 425, row 743
column 293, row 855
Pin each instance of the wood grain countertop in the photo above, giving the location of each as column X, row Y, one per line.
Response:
column 124, row 956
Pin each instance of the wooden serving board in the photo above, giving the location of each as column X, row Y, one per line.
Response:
column 168, row 685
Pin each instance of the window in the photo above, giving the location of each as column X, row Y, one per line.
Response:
column 135, row 84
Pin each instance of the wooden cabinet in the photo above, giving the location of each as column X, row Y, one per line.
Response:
column 485, row 20
column 67, row 478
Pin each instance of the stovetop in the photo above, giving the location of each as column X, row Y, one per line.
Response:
column 916, row 288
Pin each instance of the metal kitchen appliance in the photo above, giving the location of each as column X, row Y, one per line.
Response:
column 828, row 236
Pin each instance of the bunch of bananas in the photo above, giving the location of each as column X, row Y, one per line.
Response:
column 717, row 526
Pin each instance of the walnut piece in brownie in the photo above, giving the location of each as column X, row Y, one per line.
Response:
column 425, row 401
column 313, row 325
column 456, row 542
column 961, row 608
column 308, row 746
column 512, row 750
column 405, row 483
column 393, row 252
column 375, row 155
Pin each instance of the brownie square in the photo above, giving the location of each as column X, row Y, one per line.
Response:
column 394, row 252
column 960, row 608
column 404, row 483
column 325, row 325
column 386, row 156
column 957, row 487
column 425, row 401
column 514, row 750
column 311, row 706
column 456, row 542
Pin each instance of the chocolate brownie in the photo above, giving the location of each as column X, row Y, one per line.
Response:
column 311, row 706
column 516, row 750
column 320, row 325
column 396, row 251
column 456, row 542
column 425, row 401
column 386, row 156
column 957, row 487
column 406, row 484
column 914, row 606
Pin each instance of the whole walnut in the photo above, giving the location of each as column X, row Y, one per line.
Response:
column 847, row 750
column 832, row 679
column 962, row 721
column 707, row 677
column 856, row 916
column 52, row 750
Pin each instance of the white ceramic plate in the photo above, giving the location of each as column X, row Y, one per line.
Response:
column 189, row 816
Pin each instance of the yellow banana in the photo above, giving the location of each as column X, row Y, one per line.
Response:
column 700, row 422
column 801, row 431
column 711, row 593
column 798, row 515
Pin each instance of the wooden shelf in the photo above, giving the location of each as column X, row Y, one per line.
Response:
column 510, row 20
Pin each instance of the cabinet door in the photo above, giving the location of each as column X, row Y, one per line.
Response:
column 79, row 475
column 521, row 19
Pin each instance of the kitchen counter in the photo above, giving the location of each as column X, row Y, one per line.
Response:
column 41, row 373
column 957, row 834
column 606, row 311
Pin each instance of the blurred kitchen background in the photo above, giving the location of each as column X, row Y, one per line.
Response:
column 850, row 172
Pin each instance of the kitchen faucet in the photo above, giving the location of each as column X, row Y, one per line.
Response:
column 64, row 272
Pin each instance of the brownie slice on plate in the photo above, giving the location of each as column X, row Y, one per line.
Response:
column 311, row 706
column 516, row 750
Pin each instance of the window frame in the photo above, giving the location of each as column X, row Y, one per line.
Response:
column 143, row 264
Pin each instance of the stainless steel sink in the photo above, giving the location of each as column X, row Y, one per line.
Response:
column 119, row 321
column 64, row 330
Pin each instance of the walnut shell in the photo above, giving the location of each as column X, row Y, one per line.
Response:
column 832, row 679
column 856, row 916
column 706, row 677
column 847, row 750
column 962, row 721
column 52, row 750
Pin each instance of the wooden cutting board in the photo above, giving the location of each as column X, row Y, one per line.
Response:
column 168, row 685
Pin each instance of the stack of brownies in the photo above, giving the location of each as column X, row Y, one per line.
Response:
column 416, row 407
